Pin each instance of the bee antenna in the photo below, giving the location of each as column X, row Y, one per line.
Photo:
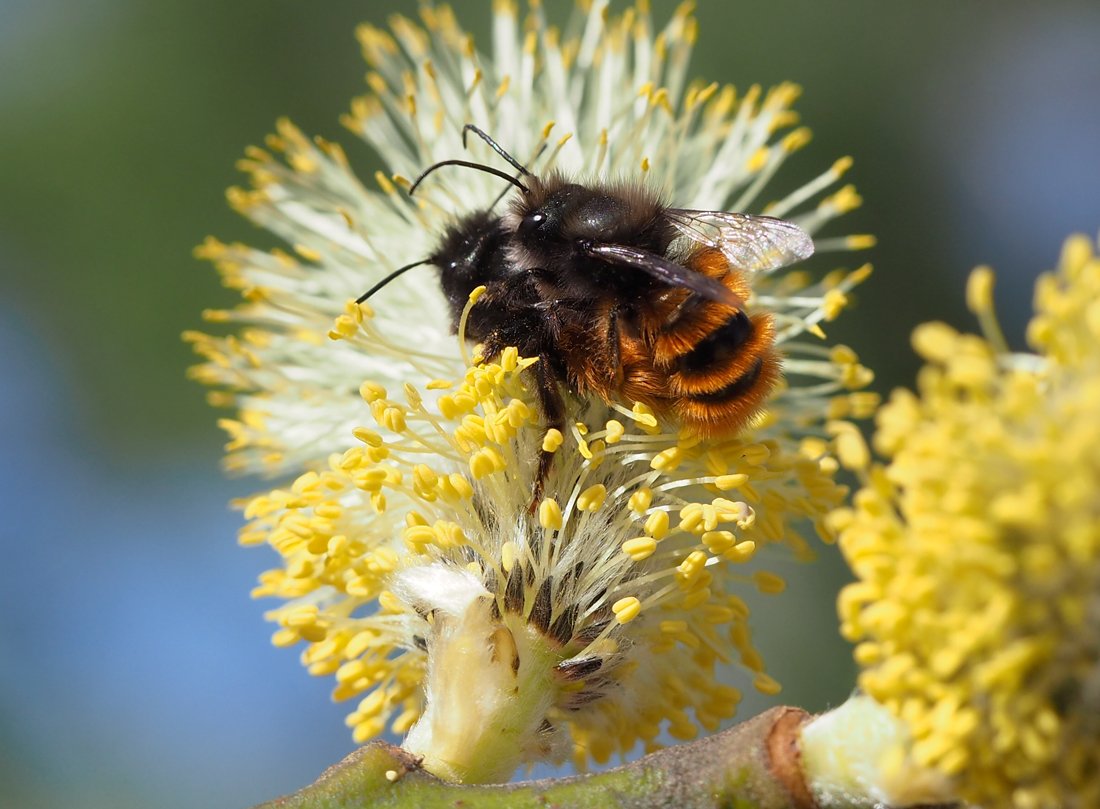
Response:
column 469, row 165
column 389, row 278
column 495, row 147
column 500, row 196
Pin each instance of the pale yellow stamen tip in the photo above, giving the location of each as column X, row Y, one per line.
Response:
column 626, row 609
column 796, row 139
column 844, row 200
column 834, row 303
column 758, row 160
column 308, row 253
column 667, row 459
column 550, row 514
column 842, row 165
column 372, row 392
column 768, row 583
column 508, row 556
column 860, row 241
column 935, row 341
column 477, row 293
column 391, row 775
column 615, row 431
column 741, row 552
column 552, row 440
column 368, row 437
column 657, row 524
column 640, row 500
column 640, row 548
column 727, row 482
column 643, row 414
column 766, row 685
column 486, row 461
column 592, row 498
column 979, row 290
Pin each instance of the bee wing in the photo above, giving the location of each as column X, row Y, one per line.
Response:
column 751, row 243
column 664, row 270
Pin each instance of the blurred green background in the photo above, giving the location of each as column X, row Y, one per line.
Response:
column 134, row 670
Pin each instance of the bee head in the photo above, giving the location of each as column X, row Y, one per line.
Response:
column 556, row 217
column 471, row 253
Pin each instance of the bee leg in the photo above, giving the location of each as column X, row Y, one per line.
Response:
column 614, row 345
column 553, row 412
column 685, row 306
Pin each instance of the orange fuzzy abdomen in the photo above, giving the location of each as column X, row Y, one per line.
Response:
column 709, row 365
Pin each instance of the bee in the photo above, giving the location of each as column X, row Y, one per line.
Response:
column 618, row 294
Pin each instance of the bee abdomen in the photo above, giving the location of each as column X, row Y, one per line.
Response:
column 719, row 346
column 732, row 354
column 741, row 386
column 730, row 407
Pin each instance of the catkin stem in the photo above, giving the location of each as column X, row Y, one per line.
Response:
column 754, row 765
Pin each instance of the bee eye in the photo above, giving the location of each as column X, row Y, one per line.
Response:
column 531, row 222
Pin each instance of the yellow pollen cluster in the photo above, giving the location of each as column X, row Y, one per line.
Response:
column 977, row 549
column 623, row 576
column 629, row 558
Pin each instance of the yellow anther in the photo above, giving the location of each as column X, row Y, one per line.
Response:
column 860, row 241
column 550, row 516
column 615, row 431
column 449, row 535
column 691, row 518
column 552, row 440
column 640, row 500
column 372, row 392
column 741, row 552
column 486, row 461
column 626, row 609
column 368, row 437
column 393, row 419
column 667, row 459
column 592, row 498
column 766, row 685
column 758, row 160
column 507, row 555
column 842, row 165
column 424, row 477
column 844, row 200
column 509, row 358
column 795, row 140
column 833, row 304
column 718, row 542
column 643, row 415
column 640, row 548
column 755, row 454
column 769, row 583
column 979, row 290
column 308, row 253
column 457, row 486
column 657, row 523
column 689, row 570
column 726, row 482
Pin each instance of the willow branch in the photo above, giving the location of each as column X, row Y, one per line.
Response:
column 754, row 765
